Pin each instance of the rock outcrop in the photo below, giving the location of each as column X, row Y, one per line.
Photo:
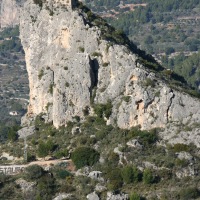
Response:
column 10, row 12
column 69, row 63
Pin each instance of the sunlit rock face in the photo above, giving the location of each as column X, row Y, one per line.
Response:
column 68, row 61
column 9, row 12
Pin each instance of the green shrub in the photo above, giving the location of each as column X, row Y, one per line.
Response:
column 126, row 98
column 66, row 84
column 149, row 82
column 180, row 147
column 181, row 162
column 42, row 150
column 61, row 153
column 12, row 133
column 130, row 174
column 103, row 110
column 30, row 157
column 81, row 49
column 113, row 159
column 3, row 178
column 86, row 111
column 48, row 105
column 144, row 137
column 51, row 88
column 41, row 74
column 100, row 134
column 189, row 193
column 115, row 180
column 106, row 64
column 76, row 118
column 136, row 175
column 45, row 148
column 85, row 156
column 165, row 174
column 96, row 54
column 38, row 2
column 135, row 196
column 62, row 174
column 148, row 177
column 34, row 172
column 127, row 174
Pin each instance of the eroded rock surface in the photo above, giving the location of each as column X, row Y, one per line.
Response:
column 67, row 60
column 10, row 12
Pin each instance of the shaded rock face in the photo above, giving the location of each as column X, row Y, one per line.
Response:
column 67, row 61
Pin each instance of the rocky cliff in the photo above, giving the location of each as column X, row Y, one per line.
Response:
column 10, row 12
column 71, row 65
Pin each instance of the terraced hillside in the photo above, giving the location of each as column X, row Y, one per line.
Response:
column 13, row 78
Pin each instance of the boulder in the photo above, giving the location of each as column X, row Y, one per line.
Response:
column 92, row 196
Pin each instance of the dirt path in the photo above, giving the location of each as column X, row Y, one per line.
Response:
column 14, row 169
column 49, row 163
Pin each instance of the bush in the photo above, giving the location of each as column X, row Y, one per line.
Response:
column 126, row 98
column 62, row 174
column 169, row 50
column 105, row 64
column 180, row 147
column 38, row 2
column 136, row 175
column 34, row 172
column 41, row 74
column 103, row 110
column 113, row 159
column 149, row 82
column 148, row 176
column 61, row 153
column 12, row 133
column 45, row 148
column 81, row 49
column 144, row 137
column 51, row 88
column 96, row 54
column 189, row 193
column 135, row 196
column 85, row 156
column 130, row 174
column 115, row 179
column 127, row 174
column 31, row 157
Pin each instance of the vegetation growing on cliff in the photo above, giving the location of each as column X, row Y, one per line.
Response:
column 141, row 169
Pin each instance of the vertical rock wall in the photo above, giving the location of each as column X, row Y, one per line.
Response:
column 67, row 61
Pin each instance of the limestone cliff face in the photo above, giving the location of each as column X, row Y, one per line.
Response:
column 67, row 60
column 10, row 12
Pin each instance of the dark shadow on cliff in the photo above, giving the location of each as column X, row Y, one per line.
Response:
column 94, row 70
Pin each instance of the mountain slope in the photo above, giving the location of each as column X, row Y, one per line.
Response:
column 85, row 74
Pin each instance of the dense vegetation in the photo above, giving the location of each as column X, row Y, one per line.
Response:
column 85, row 156
column 153, row 4
column 9, row 38
column 188, row 67
column 123, row 171
column 13, row 82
